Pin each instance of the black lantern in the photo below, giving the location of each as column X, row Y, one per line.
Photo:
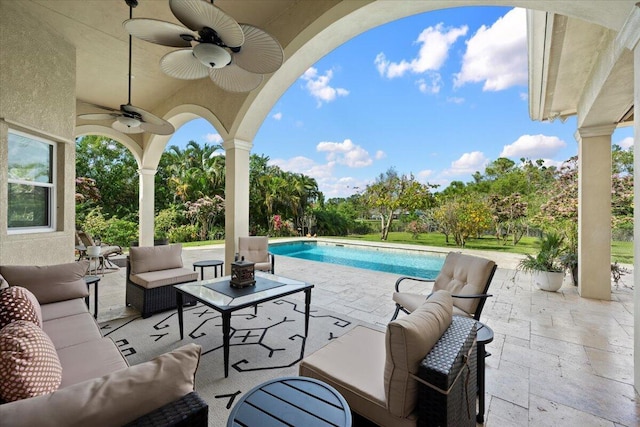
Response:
column 242, row 274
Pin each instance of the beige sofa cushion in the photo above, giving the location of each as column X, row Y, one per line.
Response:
column 29, row 364
column 50, row 283
column 156, row 279
column 114, row 399
column 89, row 360
column 56, row 310
column 408, row 340
column 71, row 330
column 464, row 275
column 154, row 258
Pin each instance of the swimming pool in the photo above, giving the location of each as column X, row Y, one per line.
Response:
column 404, row 262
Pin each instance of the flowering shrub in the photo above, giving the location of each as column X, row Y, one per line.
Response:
column 204, row 213
column 416, row 227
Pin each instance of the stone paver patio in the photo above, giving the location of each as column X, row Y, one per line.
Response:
column 557, row 359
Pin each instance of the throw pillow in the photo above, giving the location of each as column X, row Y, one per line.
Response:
column 112, row 400
column 17, row 303
column 407, row 342
column 29, row 364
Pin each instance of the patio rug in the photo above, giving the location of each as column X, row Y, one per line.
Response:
column 263, row 346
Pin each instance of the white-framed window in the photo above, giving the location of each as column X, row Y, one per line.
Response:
column 32, row 176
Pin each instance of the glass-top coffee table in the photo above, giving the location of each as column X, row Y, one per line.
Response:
column 220, row 296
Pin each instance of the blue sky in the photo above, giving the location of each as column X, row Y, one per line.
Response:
column 438, row 95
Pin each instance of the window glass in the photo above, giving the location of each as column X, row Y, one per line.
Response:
column 31, row 183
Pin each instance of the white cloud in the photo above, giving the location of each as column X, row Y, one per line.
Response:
column 467, row 163
column 455, row 100
column 524, row 96
column 423, row 175
column 497, row 55
column 277, row 116
column 626, row 143
column 346, row 153
column 380, row 155
column 328, row 183
column 434, row 42
column 213, row 138
column 534, row 147
column 319, row 87
column 431, row 85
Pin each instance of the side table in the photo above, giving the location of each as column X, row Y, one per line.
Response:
column 294, row 401
column 484, row 337
column 209, row 263
column 92, row 280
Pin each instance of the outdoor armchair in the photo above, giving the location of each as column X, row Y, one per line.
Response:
column 106, row 250
column 256, row 249
column 466, row 277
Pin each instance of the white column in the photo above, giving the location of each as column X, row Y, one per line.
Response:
column 146, row 206
column 594, row 211
column 636, row 222
column 237, row 154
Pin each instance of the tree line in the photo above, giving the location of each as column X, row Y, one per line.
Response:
column 507, row 199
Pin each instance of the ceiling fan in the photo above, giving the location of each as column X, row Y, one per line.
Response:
column 131, row 119
column 235, row 56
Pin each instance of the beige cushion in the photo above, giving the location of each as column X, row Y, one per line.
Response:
column 408, row 340
column 17, row 303
column 254, row 249
column 464, row 275
column 29, row 364
column 353, row 364
column 50, row 283
column 155, row 279
column 413, row 301
column 71, row 330
column 154, row 258
column 114, row 399
column 89, row 360
column 56, row 310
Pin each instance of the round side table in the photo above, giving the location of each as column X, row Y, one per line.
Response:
column 295, row 401
column 209, row 263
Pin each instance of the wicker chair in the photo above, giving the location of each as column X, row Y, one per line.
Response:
column 256, row 249
column 151, row 273
column 467, row 277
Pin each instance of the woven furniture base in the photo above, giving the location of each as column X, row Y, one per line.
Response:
column 190, row 410
column 154, row 300
column 447, row 395
column 149, row 301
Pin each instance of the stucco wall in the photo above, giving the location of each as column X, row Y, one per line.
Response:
column 37, row 96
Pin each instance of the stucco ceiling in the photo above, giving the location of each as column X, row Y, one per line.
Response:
column 95, row 29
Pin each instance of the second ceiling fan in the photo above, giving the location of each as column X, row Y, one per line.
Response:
column 234, row 56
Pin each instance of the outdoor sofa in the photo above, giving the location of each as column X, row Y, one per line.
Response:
column 56, row 369
column 151, row 273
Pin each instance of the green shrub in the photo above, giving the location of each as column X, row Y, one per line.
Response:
column 120, row 232
column 183, row 233
column 167, row 219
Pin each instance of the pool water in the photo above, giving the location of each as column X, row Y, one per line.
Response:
column 407, row 263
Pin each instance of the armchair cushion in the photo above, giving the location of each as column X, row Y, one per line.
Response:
column 50, row 283
column 114, row 399
column 464, row 275
column 154, row 258
column 407, row 342
column 254, row 248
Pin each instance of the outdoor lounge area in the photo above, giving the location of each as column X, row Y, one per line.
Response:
column 564, row 358
column 557, row 359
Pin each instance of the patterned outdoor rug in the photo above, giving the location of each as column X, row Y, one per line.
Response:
column 263, row 346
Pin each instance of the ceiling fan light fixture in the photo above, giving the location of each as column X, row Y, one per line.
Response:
column 130, row 122
column 211, row 55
